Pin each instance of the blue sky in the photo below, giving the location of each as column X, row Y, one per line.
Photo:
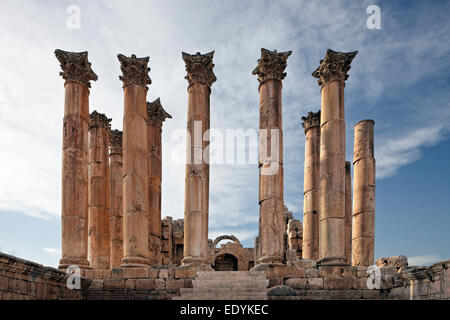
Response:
column 400, row 78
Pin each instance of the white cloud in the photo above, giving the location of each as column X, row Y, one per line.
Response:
column 54, row 252
column 424, row 260
column 391, row 153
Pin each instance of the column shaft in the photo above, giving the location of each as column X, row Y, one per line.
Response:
column 76, row 70
column 116, row 218
column 332, row 73
column 311, row 187
column 348, row 213
column 99, row 191
column 155, row 117
column 363, row 237
column 200, row 77
column 270, row 72
column 135, row 161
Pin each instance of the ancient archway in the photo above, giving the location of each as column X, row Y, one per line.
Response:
column 226, row 262
column 227, row 237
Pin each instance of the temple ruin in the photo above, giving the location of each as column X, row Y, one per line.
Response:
column 115, row 235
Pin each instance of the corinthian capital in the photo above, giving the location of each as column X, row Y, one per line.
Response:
column 311, row 120
column 271, row 65
column 75, row 66
column 335, row 65
column 156, row 114
column 115, row 141
column 199, row 68
column 99, row 120
column 134, row 70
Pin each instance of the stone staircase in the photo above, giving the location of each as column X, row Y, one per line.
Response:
column 226, row 285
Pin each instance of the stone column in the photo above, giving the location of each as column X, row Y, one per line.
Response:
column 116, row 218
column 311, row 185
column 200, row 77
column 348, row 213
column 76, row 70
column 99, row 191
column 332, row 74
column 270, row 72
column 155, row 118
column 363, row 237
column 135, row 160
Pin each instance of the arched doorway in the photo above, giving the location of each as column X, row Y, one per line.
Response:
column 226, row 262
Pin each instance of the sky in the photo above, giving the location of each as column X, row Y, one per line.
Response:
column 400, row 79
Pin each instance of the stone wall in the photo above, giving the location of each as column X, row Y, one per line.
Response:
column 25, row 280
column 431, row 282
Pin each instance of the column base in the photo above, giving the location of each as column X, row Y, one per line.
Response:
column 333, row 261
column 268, row 262
column 82, row 263
column 134, row 262
column 197, row 263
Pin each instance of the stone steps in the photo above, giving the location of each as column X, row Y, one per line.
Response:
column 226, row 285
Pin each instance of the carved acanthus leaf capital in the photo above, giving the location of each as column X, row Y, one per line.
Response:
column 99, row 120
column 75, row 66
column 134, row 70
column 311, row 120
column 271, row 65
column 199, row 68
column 156, row 114
column 115, row 141
column 335, row 65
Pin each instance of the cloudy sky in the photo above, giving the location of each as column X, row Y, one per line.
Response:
column 400, row 78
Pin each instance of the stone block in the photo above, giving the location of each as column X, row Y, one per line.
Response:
column 145, row 284
column 153, row 273
column 275, row 282
column 312, row 273
column 281, row 290
column 359, row 283
column 306, row 263
column 114, row 284
column 343, row 283
column 164, row 273
column 335, row 271
column 296, row 283
column 135, row 273
column 314, row 283
column 370, row 294
column 130, row 284
column 185, row 273
column 96, row 285
column 160, row 284
column 116, row 273
column 174, row 284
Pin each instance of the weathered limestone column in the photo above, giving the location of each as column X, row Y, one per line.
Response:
column 76, row 70
column 200, row 77
column 99, row 191
column 156, row 115
column 363, row 238
column 348, row 212
column 135, row 160
column 311, row 186
column 116, row 218
column 270, row 72
column 332, row 74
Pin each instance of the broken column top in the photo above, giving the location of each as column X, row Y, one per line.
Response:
column 199, row 68
column 347, row 166
column 363, row 146
column 335, row 65
column 311, row 120
column 115, row 141
column 271, row 65
column 99, row 120
column 75, row 67
column 156, row 114
column 134, row 70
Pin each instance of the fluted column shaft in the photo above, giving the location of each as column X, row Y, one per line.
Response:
column 311, row 187
column 135, row 161
column 74, row 205
column 196, row 207
column 116, row 217
column 99, row 191
column 270, row 72
column 332, row 74
column 363, row 238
